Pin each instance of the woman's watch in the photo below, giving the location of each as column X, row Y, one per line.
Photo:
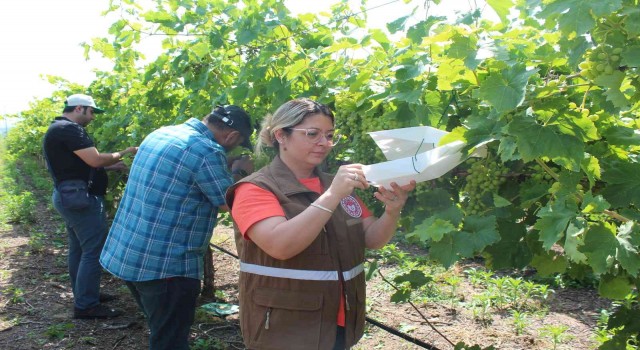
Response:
column 240, row 172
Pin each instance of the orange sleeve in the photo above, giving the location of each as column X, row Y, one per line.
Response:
column 252, row 204
column 365, row 211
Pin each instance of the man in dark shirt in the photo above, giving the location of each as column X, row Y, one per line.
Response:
column 71, row 154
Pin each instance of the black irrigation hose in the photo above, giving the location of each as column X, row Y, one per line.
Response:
column 370, row 320
column 400, row 334
column 224, row 251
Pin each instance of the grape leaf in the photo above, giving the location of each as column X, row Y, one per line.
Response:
column 576, row 125
column 574, row 239
column 464, row 47
column 507, row 149
column 397, row 25
column 614, row 287
column 420, row 30
column 297, row 68
column 618, row 342
column 500, row 202
column 505, row 90
column 535, row 141
column 548, row 263
column 632, row 24
column 416, row 278
column 591, row 204
column 409, row 71
column 623, row 183
column 627, row 317
column 483, row 128
column 200, row 49
column 554, row 218
column 373, row 266
column 604, row 8
column 439, row 200
column 511, row 250
column 411, row 96
column 401, row 296
column 452, row 73
column 532, row 192
column 621, row 135
column 433, row 228
column 247, row 34
column 451, row 247
column 631, row 54
column 161, row 17
column 380, row 36
column 502, row 8
column 576, row 48
column 613, row 82
column 628, row 253
column 575, row 16
column 568, row 181
column 591, row 167
column 482, row 231
column 600, row 246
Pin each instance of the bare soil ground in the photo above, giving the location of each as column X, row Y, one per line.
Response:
column 36, row 306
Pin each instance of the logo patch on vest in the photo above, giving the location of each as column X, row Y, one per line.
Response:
column 351, row 206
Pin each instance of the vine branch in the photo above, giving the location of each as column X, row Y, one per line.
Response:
column 416, row 309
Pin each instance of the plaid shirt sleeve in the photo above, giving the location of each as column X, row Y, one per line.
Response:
column 213, row 179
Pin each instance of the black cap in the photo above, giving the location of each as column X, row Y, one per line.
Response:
column 235, row 117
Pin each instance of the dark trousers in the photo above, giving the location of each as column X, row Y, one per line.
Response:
column 340, row 342
column 169, row 306
column 86, row 230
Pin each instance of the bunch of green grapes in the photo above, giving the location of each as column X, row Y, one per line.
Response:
column 377, row 123
column 483, row 177
column 603, row 60
column 539, row 175
column 357, row 128
column 421, row 190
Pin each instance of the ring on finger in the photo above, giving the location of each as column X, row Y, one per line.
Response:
column 356, row 177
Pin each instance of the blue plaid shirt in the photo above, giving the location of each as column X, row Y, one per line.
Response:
column 167, row 214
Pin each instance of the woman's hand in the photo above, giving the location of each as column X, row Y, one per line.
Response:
column 395, row 198
column 379, row 231
column 348, row 178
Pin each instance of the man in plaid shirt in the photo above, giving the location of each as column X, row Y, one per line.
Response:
column 167, row 214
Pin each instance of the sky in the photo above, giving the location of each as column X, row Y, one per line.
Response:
column 43, row 37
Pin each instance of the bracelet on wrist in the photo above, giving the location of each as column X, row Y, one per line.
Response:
column 315, row 205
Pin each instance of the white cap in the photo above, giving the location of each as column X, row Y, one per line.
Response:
column 83, row 100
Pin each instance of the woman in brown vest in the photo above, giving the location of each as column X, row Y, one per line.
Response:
column 301, row 236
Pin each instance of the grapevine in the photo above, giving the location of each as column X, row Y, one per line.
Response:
column 484, row 178
column 554, row 92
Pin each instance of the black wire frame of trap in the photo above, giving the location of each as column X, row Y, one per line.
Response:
column 367, row 318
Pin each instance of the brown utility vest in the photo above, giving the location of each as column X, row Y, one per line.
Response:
column 293, row 303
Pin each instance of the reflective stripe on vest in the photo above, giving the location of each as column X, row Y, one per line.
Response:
column 311, row 275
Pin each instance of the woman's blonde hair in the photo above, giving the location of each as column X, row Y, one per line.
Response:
column 288, row 115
